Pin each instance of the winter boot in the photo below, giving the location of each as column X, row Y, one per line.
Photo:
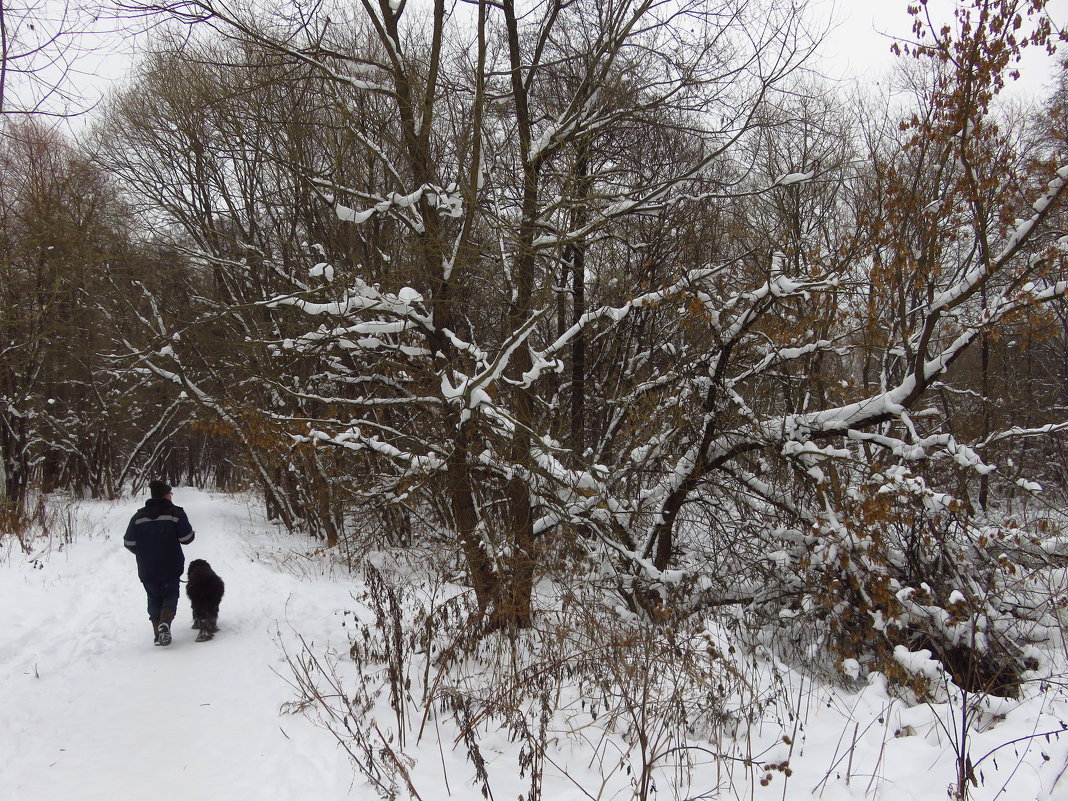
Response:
column 164, row 629
column 155, row 631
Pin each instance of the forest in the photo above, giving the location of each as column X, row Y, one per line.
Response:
column 617, row 314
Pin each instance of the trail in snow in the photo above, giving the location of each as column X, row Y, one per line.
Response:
column 92, row 710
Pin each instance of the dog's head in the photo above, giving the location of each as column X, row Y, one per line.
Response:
column 199, row 567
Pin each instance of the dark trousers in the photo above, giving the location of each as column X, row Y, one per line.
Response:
column 161, row 596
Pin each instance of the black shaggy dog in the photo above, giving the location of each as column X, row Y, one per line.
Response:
column 205, row 590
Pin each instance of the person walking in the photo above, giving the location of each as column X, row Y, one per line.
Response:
column 155, row 536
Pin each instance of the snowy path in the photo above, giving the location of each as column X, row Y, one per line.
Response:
column 92, row 710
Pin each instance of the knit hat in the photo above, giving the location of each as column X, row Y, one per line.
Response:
column 159, row 489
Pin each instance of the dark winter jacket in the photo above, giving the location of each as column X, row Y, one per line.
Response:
column 156, row 535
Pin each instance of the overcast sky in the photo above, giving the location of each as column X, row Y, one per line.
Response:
column 857, row 46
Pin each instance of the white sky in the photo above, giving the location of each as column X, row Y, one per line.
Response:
column 857, row 46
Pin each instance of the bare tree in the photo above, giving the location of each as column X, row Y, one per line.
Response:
column 41, row 46
column 754, row 325
column 62, row 232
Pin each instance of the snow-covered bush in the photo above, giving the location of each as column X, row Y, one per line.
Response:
column 651, row 703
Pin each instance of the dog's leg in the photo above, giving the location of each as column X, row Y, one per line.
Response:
column 209, row 624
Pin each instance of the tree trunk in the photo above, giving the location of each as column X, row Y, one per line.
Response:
column 465, row 522
column 576, row 257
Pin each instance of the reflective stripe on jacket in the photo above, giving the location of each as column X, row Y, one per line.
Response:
column 156, row 535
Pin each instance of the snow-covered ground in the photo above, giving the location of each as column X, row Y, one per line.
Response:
column 90, row 709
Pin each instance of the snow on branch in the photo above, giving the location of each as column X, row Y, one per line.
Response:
column 962, row 289
column 792, row 178
column 901, row 449
column 361, row 297
column 893, row 402
column 1017, row 431
column 769, row 493
column 778, row 286
column 361, row 401
column 355, row 439
column 848, row 419
column 616, row 313
column 779, row 356
column 447, row 201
